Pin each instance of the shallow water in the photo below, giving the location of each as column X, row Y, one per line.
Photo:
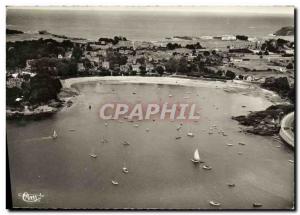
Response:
column 161, row 174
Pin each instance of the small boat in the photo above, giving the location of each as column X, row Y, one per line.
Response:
column 206, row 167
column 214, row 203
column 54, row 135
column 125, row 143
column 190, row 134
column 114, row 182
column 125, row 170
column 93, row 155
column 257, row 205
column 104, row 140
column 196, row 158
column 178, row 128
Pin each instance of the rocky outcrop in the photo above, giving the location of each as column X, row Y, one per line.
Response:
column 11, row 31
column 266, row 122
column 230, row 75
column 285, row 31
column 279, row 85
column 32, row 112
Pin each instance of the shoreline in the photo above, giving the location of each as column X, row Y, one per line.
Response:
column 237, row 84
column 67, row 91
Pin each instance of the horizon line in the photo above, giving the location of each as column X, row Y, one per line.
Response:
column 235, row 10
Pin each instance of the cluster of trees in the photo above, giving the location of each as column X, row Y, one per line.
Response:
column 115, row 57
column 17, row 53
column 241, row 37
column 172, row 46
column 113, row 41
column 194, row 46
column 55, row 67
column 277, row 46
column 198, row 66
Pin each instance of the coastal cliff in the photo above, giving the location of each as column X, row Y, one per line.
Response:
column 285, row 31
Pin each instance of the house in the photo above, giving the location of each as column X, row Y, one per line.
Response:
column 149, row 67
column 68, row 55
column 102, row 53
column 289, row 52
column 116, row 67
column 80, row 67
column 14, row 82
column 105, row 64
column 228, row 37
column 124, row 68
column 136, row 67
column 29, row 65
column 206, row 37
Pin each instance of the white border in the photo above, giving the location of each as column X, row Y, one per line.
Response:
column 4, row 3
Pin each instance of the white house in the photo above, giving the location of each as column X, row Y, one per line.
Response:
column 105, row 64
column 228, row 37
column 136, row 67
column 80, row 67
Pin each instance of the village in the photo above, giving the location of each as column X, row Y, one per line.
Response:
column 208, row 57
column 33, row 77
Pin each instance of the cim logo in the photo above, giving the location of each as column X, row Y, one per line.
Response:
column 31, row 198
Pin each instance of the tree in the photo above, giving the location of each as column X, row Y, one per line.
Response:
column 143, row 70
column 171, row 65
column 76, row 53
column 230, row 74
column 172, row 46
column 290, row 66
column 160, row 70
column 206, row 53
column 141, row 60
column 183, row 66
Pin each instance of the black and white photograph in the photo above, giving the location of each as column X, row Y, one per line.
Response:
column 150, row 107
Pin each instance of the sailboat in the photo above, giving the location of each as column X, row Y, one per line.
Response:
column 114, row 182
column 196, row 158
column 54, row 135
column 125, row 170
column 93, row 155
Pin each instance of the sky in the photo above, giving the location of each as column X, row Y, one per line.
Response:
column 280, row 10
